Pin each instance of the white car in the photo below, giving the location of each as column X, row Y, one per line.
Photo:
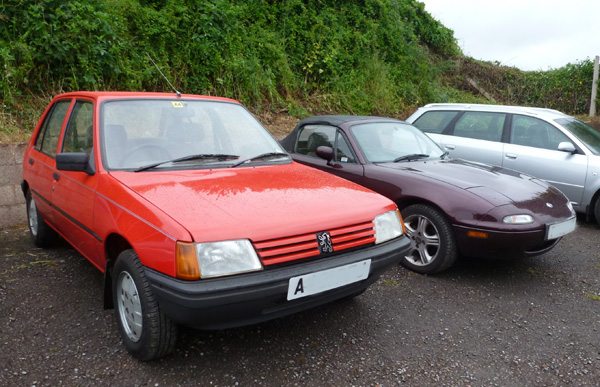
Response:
column 545, row 143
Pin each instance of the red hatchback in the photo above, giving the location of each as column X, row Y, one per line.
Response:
column 196, row 215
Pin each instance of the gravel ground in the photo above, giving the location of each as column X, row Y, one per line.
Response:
column 483, row 323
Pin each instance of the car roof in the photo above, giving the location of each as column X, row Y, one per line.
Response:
column 100, row 95
column 338, row 120
column 533, row 111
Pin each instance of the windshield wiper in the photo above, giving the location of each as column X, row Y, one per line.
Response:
column 415, row 156
column 443, row 156
column 203, row 156
column 262, row 156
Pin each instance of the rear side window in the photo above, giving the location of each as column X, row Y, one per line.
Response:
column 480, row 125
column 434, row 122
column 47, row 139
column 529, row 131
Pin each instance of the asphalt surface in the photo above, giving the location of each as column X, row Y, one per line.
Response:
column 532, row 322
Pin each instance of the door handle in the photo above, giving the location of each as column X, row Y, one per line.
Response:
column 30, row 161
column 449, row 147
column 511, row 155
column 56, row 176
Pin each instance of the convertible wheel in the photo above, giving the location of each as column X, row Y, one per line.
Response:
column 42, row 234
column 433, row 247
column 147, row 333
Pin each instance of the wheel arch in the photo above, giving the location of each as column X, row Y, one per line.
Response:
column 24, row 187
column 114, row 245
column 404, row 202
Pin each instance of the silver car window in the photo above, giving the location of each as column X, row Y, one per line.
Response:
column 480, row 125
column 530, row 131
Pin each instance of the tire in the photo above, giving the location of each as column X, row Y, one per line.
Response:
column 597, row 210
column 146, row 332
column 433, row 245
column 41, row 233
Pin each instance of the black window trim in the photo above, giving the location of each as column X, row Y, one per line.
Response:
column 45, row 123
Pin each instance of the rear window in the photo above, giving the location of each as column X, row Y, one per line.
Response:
column 434, row 122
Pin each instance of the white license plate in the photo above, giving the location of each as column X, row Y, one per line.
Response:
column 559, row 229
column 321, row 281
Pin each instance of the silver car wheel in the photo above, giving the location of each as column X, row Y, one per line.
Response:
column 424, row 240
column 33, row 218
column 130, row 306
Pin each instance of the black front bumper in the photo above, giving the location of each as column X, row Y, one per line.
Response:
column 260, row 296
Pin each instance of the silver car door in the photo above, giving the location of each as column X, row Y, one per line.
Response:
column 533, row 150
column 476, row 136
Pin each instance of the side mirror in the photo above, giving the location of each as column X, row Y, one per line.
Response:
column 74, row 161
column 326, row 153
column 567, row 147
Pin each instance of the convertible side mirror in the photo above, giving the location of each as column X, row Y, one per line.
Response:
column 567, row 146
column 74, row 161
column 326, row 153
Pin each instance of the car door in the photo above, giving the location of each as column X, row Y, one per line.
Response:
column 533, row 149
column 75, row 192
column 475, row 136
column 40, row 163
column 345, row 163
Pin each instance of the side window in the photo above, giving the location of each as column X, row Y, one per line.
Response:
column 47, row 139
column 480, row 126
column 79, row 135
column 344, row 152
column 434, row 122
column 313, row 136
column 534, row 132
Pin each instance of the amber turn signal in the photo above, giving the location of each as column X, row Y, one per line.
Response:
column 477, row 234
column 187, row 263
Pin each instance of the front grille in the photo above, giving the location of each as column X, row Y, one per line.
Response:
column 288, row 249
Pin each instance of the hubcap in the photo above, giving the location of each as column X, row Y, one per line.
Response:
column 33, row 219
column 130, row 306
column 424, row 240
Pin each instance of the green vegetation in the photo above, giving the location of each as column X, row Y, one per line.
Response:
column 382, row 57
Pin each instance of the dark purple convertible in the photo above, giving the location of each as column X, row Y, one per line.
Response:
column 451, row 207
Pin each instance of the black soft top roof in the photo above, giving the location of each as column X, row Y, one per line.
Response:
column 288, row 142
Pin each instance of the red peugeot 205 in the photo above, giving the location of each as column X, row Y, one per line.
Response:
column 196, row 215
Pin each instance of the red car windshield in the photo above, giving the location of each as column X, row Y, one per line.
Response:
column 137, row 133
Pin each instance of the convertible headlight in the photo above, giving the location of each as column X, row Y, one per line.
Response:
column 228, row 257
column 387, row 226
column 518, row 219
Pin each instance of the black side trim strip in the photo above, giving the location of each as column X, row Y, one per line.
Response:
column 78, row 224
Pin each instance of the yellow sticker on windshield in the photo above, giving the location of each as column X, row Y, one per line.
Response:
column 177, row 104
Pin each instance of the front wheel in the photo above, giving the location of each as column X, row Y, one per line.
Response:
column 147, row 333
column 432, row 243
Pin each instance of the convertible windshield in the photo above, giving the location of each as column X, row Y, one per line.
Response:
column 150, row 134
column 583, row 132
column 393, row 141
